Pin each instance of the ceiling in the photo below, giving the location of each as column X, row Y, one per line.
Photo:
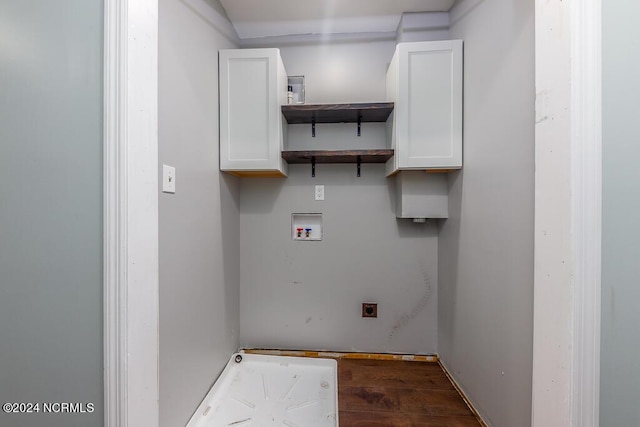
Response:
column 264, row 18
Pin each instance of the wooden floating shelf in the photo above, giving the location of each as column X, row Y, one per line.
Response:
column 337, row 113
column 337, row 156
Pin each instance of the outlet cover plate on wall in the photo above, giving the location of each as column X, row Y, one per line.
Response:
column 319, row 193
column 369, row 309
column 168, row 179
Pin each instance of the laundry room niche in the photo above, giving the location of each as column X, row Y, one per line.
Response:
column 313, row 290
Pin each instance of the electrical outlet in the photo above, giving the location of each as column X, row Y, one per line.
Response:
column 369, row 309
column 319, row 192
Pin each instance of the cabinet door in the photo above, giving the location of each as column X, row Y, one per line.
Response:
column 251, row 93
column 429, row 105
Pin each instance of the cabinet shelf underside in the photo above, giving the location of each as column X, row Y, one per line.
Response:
column 337, row 156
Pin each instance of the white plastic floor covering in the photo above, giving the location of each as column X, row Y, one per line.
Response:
column 259, row 390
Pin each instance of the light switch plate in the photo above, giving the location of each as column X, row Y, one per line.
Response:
column 168, row 179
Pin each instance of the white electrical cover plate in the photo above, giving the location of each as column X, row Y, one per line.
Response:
column 168, row 179
column 262, row 390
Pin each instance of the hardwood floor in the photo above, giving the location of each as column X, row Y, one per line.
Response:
column 381, row 393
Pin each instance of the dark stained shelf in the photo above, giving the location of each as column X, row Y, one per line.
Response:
column 337, row 113
column 337, row 156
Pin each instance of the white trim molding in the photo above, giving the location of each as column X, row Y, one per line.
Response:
column 114, row 217
column 130, row 213
column 566, row 354
column 586, row 153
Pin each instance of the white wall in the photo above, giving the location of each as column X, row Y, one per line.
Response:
column 199, row 224
column 620, row 371
column 486, row 246
column 51, row 98
column 308, row 295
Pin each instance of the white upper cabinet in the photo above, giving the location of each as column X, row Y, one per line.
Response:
column 424, row 81
column 253, row 87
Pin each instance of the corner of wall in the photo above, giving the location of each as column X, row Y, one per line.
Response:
column 199, row 224
column 486, row 246
column 423, row 26
column 213, row 12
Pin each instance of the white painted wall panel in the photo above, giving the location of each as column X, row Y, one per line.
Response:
column 429, row 104
column 248, row 109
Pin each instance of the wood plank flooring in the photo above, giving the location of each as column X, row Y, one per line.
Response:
column 382, row 393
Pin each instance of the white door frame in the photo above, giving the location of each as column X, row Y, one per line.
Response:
column 567, row 229
column 566, row 364
column 130, row 213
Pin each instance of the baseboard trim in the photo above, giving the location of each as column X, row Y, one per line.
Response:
column 432, row 358
column 461, row 393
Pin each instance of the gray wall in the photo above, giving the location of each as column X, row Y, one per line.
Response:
column 199, row 224
column 486, row 246
column 620, row 371
column 341, row 72
column 308, row 295
column 51, row 208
